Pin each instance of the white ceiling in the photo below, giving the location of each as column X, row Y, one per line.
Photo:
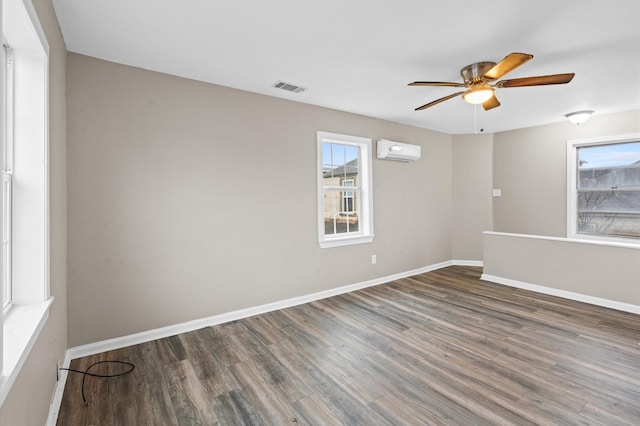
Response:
column 359, row 55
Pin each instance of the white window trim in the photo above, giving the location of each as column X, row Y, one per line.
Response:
column 7, row 186
column 23, row 323
column 365, row 234
column 572, row 199
column 7, row 174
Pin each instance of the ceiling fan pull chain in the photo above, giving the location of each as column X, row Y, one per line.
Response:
column 475, row 119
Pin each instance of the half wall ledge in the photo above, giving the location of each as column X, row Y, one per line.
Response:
column 598, row 273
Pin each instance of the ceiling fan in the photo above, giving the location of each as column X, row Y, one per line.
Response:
column 478, row 81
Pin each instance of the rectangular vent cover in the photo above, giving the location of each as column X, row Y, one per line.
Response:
column 289, row 87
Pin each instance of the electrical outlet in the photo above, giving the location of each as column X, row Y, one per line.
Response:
column 374, row 259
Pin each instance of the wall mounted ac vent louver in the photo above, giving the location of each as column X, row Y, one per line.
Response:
column 289, row 87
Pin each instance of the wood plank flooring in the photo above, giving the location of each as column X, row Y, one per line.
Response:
column 441, row 348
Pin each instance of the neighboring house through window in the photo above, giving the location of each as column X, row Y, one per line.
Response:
column 604, row 189
column 345, row 216
column 347, row 196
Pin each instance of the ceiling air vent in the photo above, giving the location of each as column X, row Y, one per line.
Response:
column 289, row 87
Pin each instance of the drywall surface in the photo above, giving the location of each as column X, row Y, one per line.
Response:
column 28, row 401
column 592, row 269
column 188, row 200
column 472, row 202
column 530, row 166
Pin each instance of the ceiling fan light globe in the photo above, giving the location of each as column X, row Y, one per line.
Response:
column 479, row 96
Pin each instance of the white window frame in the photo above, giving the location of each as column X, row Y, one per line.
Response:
column 30, row 269
column 572, row 194
column 365, row 226
column 6, row 243
column 7, row 174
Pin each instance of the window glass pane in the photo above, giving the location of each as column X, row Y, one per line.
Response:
column 348, row 217
column 339, row 160
column 340, row 169
column 609, row 166
column 609, row 189
column 340, row 213
column 330, row 209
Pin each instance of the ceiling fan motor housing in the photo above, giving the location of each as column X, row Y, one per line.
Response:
column 475, row 72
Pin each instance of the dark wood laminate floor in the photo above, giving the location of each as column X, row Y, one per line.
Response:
column 438, row 348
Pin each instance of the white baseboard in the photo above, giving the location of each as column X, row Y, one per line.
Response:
column 467, row 262
column 620, row 306
column 172, row 330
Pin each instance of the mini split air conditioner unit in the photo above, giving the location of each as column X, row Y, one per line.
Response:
column 389, row 150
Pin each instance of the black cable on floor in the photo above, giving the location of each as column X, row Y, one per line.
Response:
column 86, row 373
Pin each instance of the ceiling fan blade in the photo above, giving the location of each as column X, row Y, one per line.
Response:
column 509, row 63
column 491, row 103
column 437, row 101
column 436, row 83
column 541, row 80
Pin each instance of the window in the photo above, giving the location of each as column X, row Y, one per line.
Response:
column 344, row 216
column 7, row 175
column 25, row 184
column 604, row 189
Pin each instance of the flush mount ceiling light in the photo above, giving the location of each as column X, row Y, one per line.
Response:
column 478, row 94
column 578, row 117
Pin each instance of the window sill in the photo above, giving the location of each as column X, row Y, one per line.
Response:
column 21, row 327
column 346, row 241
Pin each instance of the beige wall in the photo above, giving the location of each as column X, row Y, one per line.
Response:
column 29, row 398
column 530, row 166
column 589, row 269
column 171, row 212
column 472, row 203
